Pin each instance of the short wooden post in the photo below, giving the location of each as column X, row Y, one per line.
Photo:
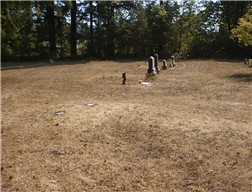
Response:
column 124, row 78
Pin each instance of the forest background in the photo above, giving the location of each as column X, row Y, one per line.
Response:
column 35, row 30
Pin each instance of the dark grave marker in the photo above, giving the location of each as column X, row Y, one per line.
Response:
column 156, row 63
column 164, row 67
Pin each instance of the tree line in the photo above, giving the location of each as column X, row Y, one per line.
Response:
column 113, row 29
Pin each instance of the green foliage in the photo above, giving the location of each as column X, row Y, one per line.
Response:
column 243, row 31
column 108, row 29
column 161, row 28
column 17, row 29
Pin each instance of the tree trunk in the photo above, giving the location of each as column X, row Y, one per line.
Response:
column 51, row 28
column 73, row 29
column 110, row 30
column 228, row 17
column 91, row 35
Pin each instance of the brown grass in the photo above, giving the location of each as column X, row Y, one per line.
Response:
column 189, row 131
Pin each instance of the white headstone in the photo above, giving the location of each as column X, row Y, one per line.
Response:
column 151, row 69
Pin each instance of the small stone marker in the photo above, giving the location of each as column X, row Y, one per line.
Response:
column 151, row 69
column 145, row 83
column 59, row 113
column 90, row 104
column 51, row 61
column 124, row 78
column 173, row 60
column 164, row 67
column 171, row 64
column 156, row 63
column 250, row 62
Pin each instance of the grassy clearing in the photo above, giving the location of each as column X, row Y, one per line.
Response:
column 189, row 131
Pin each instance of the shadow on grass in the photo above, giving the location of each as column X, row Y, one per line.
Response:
column 25, row 65
column 242, row 77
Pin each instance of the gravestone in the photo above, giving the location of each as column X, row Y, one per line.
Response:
column 151, row 69
column 51, row 61
column 156, row 63
column 173, row 60
column 164, row 67
column 250, row 62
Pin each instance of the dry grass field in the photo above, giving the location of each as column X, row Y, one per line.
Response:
column 191, row 130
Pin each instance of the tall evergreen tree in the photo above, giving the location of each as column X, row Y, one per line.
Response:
column 73, row 29
column 110, row 27
column 51, row 27
column 91, row 29
column 17, row 29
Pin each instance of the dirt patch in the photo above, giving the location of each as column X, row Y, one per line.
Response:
column 189, row 131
